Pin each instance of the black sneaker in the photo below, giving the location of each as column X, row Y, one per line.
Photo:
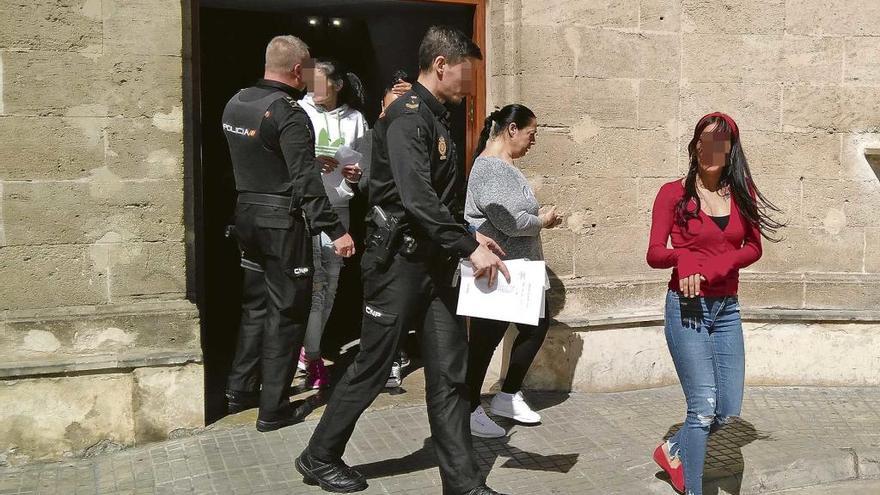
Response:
column 403, row 359
column 334, row 477
column 290, row 416
column 483, row 490
column 237, row 402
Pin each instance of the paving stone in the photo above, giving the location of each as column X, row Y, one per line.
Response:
column 801, row 439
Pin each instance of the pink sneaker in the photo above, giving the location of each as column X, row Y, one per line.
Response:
column 303, row 363
column 316, row 375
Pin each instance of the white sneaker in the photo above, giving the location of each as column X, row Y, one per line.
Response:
column 514, row 406
column 394, row 379
column 482, row 426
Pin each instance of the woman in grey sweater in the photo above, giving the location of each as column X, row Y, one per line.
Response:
column 500, row 204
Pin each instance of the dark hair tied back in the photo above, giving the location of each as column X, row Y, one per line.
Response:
column 499, row 120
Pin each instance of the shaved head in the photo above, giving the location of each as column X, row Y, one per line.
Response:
column 284, row 52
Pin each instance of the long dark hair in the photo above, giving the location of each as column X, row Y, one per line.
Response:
column 352, row 92
column 499, row 120
column 735, row 175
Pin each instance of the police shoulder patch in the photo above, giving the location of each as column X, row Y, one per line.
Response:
column 292, row 102
column 413, row 103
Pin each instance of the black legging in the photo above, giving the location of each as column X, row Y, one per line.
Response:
column 484, row 338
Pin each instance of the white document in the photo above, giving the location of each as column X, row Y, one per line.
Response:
column 345, row 155
column 520, row 301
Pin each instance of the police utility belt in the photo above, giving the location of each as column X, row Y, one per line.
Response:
column 265, row 199
column 389, row 237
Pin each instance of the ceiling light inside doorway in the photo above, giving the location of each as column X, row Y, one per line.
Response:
column 313, row 21
column 336, row 22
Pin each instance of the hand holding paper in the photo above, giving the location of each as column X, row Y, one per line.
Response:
column 520, row 300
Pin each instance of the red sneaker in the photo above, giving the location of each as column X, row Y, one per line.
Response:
column 317, row 376
column 676, row 475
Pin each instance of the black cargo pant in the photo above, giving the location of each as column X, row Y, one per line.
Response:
column 413, row 292
column 276, row 297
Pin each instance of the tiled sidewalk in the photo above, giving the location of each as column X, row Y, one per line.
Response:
column 588, row 444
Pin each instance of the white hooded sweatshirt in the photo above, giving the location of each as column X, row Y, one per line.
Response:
column 334, row 128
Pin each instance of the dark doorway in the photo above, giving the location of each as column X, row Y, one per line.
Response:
column 228, row 39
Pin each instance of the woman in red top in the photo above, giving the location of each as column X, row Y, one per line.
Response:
column 715, row 218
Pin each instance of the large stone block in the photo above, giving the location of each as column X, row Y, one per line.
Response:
column 833, row 108
column 56, row 83
column 142, row 86
column 735, row 58
column 51, row 276
column 568, row 101
column 843, row 292
column 49, row 417
column 756, row 291
column 590, row 151
column 841, row 252
column 602, row 361
column 168, row 399
column 591, row 203
column 872, row 250
column 56, row 26
column 143, row 28
column 145, row 148
column 550, row 50
column 116, row 329
column 793, row 155
column 607, row 53
column 50, row 147
column 583, row 301
column 80, row 212
column 147, row 270
column 832, row 17
column 820, row 354
column 861, row 65
column 754, row 106
column 787, row 195
column 658, row 105
column 660, row 15
column 559, row 251
column 733, row 16
column 607, row 13
column 835, row 204
column 612, row 253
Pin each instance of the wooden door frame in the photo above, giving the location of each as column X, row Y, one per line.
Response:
column 476, row 111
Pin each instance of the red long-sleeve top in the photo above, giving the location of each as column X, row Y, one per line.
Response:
column 702, row 247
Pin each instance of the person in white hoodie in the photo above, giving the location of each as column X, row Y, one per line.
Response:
column 333, row 107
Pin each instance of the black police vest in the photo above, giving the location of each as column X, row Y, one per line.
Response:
column 256, row 168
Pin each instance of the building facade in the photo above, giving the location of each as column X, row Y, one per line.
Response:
column 100, row 344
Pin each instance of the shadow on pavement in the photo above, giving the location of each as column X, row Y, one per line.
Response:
column 487, row 452
column 724, row 459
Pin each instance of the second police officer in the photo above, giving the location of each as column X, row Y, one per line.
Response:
column 417, row 236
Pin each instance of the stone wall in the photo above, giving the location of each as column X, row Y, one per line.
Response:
column 94, row 327
column 618, row 86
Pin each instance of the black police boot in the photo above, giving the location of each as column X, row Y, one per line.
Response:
column 237, row 402
column 483, row 490
column 289, row 416
column 334, row 477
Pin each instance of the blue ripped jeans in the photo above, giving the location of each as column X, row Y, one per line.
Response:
column 705, row 338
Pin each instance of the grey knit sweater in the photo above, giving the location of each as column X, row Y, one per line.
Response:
column 501, row 204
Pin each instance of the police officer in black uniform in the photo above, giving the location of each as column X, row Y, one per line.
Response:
column 281, row 204
column 414, row 246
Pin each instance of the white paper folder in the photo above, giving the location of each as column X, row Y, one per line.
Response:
column 520, row 301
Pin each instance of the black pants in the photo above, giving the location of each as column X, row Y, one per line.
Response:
column 412, row 293
column 275, row 304
column 485, row 336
